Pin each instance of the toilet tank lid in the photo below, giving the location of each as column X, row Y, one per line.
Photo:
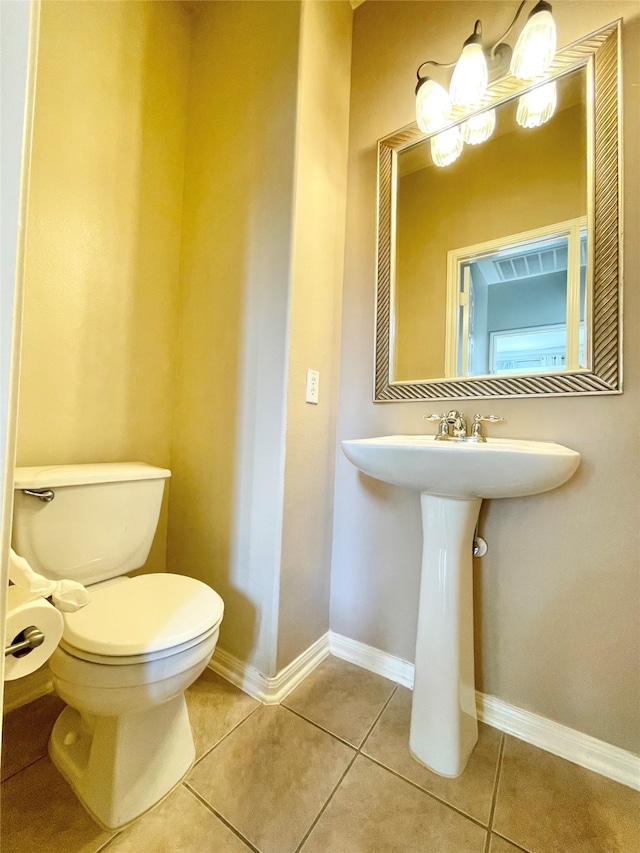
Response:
column 41, row 476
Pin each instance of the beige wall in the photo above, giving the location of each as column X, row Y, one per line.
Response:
column 515, row 182
column 225, row 522
column 557, row 622
column 185, row 266
column 103, row 235
column 261, row 272
column 314, row 323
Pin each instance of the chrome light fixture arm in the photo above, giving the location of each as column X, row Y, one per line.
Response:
column 495, row 52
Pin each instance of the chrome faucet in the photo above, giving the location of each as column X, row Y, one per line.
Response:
column 458, row 424
column 453, row 426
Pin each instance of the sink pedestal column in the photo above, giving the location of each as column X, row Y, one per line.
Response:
column 444, row 726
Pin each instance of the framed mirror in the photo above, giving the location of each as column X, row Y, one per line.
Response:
column 499, row 275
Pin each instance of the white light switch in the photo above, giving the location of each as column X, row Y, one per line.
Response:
column 313, row 386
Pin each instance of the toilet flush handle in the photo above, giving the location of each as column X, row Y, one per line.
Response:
column 44, row 495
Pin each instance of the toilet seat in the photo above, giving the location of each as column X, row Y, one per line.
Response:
column 128, row 660
column 119, row 626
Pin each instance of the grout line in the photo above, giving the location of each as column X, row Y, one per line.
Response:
column 375, row 722
column 107, row 843
column 226, row 735
column 318, row 726
column 494, row 799
column 513, row 843
column 214, row 811
column 358, row 751
column 324, row 807
column 26, row 767
column 424, row 791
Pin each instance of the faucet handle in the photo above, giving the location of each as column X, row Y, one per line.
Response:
column 490, row 418
column 476, row 428
column 443, row 427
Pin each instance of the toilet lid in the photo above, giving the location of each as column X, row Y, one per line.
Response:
column 146, row 614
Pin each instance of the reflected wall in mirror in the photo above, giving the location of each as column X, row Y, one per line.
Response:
column 498, row 275
column 518, row 304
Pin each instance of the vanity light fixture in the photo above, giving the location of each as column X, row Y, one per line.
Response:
column 530, row 59
column 536, row 44
column 433, row 105
column 537, row 106
column 478, row 128
column 446, row 146
column 470, row 75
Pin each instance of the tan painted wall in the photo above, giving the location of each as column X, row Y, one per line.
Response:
column 225, row 522
column 103, row 235
column 314, row 323
column 171, row 179
column 557, row 617
column 513, row 183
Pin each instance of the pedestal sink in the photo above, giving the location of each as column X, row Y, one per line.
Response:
column 453, row 477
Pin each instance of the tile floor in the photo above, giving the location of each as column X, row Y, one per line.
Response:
column 328, row 771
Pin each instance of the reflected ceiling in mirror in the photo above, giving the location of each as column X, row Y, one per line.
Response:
column 498, row 274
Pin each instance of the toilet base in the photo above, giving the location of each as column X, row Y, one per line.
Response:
column 119, row 767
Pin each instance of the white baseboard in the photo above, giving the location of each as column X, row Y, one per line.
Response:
column 395, row 669
column 597, row 755
column 270, row 691
column 589, row 752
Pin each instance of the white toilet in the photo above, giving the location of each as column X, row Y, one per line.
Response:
column 125, row 659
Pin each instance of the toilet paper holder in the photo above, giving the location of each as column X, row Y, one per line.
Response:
column 25, row 642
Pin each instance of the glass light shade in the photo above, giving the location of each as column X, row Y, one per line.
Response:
column 479, row 128
column 536, row 46
column 433, row 106
column 446, row 146
column 537, row 106
column 470, row 77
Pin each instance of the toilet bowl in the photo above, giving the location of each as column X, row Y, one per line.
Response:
column 125, row 659
column 125, row 739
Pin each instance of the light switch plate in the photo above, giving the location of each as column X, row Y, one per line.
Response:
column 313, row 386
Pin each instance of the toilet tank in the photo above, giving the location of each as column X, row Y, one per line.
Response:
column 99, row 525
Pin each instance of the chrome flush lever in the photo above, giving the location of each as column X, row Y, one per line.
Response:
column 44, row 495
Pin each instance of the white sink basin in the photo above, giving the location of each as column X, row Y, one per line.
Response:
column 497, row 468
column 453, row 478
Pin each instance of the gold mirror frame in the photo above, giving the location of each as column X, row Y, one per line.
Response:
column 599, row 53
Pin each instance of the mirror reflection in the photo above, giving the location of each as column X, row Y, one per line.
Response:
column 490, row 262
column 518, row 305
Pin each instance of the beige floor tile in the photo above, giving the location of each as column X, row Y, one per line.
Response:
column 271, row 777
column 499, row 845
column 471, row 792
column 215, row 708
column 342, row 698
column 374, row 811
column 180, row 824
column 548, row 805
column 25, row 733
column 41, row 813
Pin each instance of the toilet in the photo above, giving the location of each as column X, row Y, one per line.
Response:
column 125, row 659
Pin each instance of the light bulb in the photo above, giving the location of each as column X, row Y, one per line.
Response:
column 479, row 128
column 536, row 45
column 446, row 146
column 433, row 105
column 537, row 106
column 470, row 76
